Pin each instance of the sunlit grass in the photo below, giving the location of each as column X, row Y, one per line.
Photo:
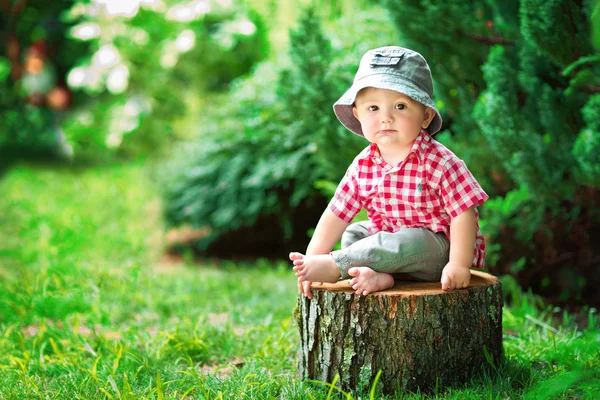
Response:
column 89, row 310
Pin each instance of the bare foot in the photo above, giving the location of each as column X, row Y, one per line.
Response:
column 367, row 281
column 318, row 267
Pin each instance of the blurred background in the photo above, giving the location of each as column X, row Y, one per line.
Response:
column 223, row 109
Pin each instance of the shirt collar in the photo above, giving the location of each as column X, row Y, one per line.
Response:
column 419, row 146
column 422, row 142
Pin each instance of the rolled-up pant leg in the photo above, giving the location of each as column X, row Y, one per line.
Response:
column 410, row 253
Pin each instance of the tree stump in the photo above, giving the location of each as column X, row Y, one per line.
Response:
column 418, row 335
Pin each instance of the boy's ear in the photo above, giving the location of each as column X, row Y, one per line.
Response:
column 355, row 112
column 428, row 117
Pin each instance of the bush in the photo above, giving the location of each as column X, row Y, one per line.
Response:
column 517, row 82
column 29, row 28
column 125, row 72
column 251, row 174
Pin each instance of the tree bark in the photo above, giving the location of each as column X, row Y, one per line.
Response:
column 419, row 336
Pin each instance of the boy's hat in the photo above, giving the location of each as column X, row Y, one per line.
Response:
column 393, row 68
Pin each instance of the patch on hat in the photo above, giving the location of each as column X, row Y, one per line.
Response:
column 381, row 59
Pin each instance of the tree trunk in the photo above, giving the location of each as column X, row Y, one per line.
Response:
column 417, row 335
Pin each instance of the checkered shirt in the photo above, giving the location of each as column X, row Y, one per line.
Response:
column 429, row 188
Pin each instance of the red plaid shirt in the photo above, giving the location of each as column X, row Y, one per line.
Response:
column 429, row 188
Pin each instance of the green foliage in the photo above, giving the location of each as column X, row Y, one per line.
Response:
column 26, row 127
column 164, row 57
column 269, row 141
column 517, row 82
column 586, row 149
column 135, row 70
column 595, row 20
column 539, row 22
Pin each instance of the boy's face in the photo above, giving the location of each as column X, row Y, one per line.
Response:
column 390, row 118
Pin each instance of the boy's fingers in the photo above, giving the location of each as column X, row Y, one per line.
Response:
column 301, row 287
column 307, row 292
column 304, row 288
column 445, row 282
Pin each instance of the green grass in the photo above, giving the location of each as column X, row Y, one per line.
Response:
column 88, row 310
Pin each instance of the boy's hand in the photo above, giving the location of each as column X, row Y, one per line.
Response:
column 455, row 276
column 304, row 288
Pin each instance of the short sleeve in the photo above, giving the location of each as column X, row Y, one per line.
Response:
column 459, row 189
column 346, row 204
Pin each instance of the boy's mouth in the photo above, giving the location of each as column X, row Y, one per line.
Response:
column 386, row 131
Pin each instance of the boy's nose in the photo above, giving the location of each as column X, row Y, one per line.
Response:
column 386, row 117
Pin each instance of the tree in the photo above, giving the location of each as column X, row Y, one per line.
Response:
column 519, row 82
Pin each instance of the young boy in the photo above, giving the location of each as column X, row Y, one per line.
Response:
column 420, row 198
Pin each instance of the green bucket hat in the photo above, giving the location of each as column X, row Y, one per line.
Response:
column 393, row 68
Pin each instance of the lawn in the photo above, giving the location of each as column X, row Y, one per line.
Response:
column 90, row 309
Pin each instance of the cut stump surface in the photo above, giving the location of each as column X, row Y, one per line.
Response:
column 418, row 335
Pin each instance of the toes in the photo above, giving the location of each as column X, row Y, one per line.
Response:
column 296, row 256
column 298, row 262
column 365, row 292
column 354, row 272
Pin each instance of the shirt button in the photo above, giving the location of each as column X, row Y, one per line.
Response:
column 399, row 223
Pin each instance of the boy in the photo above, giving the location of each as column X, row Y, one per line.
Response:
column 418, row 195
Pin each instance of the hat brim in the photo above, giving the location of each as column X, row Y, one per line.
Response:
column 343, row 107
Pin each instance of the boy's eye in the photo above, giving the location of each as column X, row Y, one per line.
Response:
column 400, row 106
column 373, row 108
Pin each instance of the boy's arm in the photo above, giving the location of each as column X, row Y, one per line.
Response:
column 463, row 231
column 327, row 233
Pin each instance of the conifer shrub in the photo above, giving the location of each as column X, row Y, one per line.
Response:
column 519, row 83
column 252, row 174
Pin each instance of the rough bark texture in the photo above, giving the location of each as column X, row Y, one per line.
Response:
column 417, row 335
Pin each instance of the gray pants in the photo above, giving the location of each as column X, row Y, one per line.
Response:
column 411, row 253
